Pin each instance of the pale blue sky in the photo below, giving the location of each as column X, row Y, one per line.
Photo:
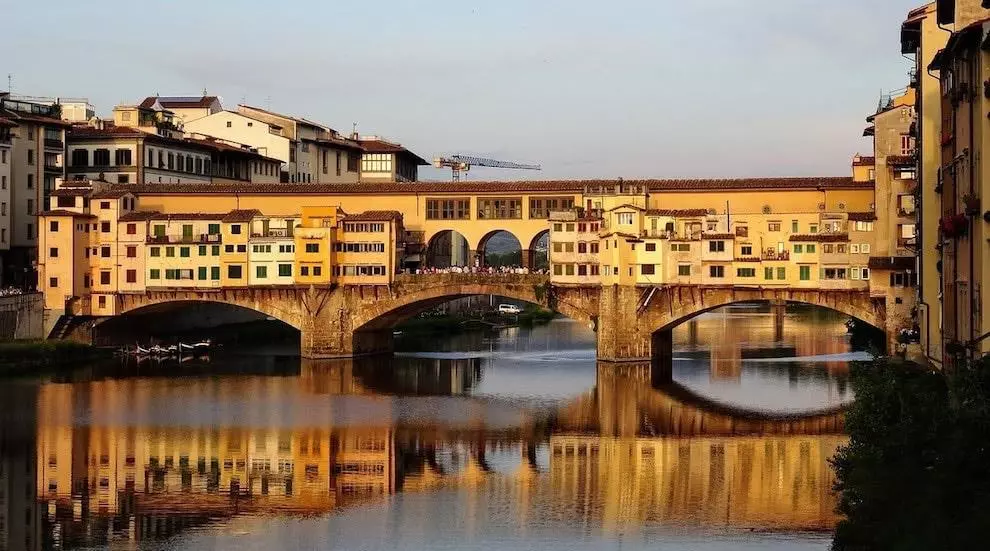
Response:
column 645, row 88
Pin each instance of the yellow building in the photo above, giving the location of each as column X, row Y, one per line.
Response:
column 963, row 66
column 922, row 37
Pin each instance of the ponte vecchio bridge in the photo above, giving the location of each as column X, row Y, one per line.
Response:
column 632, row 261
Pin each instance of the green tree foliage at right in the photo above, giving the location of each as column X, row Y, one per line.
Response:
column 916, row 472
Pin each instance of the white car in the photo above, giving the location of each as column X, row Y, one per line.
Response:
column 508, row 309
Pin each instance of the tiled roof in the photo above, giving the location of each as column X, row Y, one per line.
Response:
column 115, row 193
column 62, row 212
column 900, row 160
column 892, row 263
column 223, row 147
column 572, row 186
column 138, row 216
column 862, row 216
column 299, row 120
column 864, row 161
column 336, row 142
column 179, row 102
column 374, row 215
column 241, row 215
column 749, row 259
column 822, row 237
column 7, row 122
column 70, row 192
column 677, row 212
column 86, row 132
column 18, row 116
column 187, row 216
column 718, row 236
column 623, row 234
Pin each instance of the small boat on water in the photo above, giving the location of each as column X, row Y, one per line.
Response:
column 172, row 350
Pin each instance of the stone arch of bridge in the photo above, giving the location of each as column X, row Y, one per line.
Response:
column 448, row 247
column 276, row 304
column 683, row 306
column 388, row 313
column 539, row 250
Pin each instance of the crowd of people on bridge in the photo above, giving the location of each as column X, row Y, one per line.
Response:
column 488, row 270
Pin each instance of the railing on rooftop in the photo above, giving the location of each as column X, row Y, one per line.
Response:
column 273, row 232
column 774, row 254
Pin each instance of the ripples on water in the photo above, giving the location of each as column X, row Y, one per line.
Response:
column 516, row 440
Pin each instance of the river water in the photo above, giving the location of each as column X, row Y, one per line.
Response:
column 509, row 440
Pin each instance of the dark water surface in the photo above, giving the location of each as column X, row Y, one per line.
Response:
column 514, row 440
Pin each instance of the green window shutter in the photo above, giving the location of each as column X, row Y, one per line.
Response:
column 215, row 273
column 201, row 272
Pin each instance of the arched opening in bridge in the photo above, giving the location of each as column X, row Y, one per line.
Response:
column 739, row 353
column 235, row 327
column 446, row 249
column 539, row 252
column 501, row 249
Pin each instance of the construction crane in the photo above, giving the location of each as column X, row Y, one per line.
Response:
column 463, row 163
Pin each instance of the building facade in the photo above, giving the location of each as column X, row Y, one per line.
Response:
column 34, row 150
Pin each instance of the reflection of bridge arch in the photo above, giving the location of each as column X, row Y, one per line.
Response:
column 627, row 403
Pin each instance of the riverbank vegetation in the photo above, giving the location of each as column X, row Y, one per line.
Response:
column 916, row 471
column 21, row 357
column 454, row 323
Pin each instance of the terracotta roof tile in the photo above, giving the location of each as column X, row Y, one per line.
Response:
column 178, row 102
column 691, row 213
column 382, row 146
column 18, row 116
column 892, row 263
column 138, row 216
column 7, row 122
column 71, row 192
column 862, row 216
column 188, row 216
column 718, row 236
column 115, row 193
column 749, row 259
column 241, row 215
column 822, row 237
column 62, row 212
column 374, row 215
column 864, row 161
column 562, row 186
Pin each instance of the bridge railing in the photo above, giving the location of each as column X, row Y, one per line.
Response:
column 473, row 278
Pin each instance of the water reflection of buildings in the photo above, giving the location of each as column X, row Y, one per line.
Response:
column 109, row 469
column 734, row 334
column 20, row 521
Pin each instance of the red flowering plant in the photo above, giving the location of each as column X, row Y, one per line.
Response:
column 954, row 225
column 972, row 204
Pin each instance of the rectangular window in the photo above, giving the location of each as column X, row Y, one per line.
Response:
column 235, row 229
column 864, row 273
column 202, row 250
column 53, row 282
column 804, row 273
column 684, row 269
column 104, row 278
column 242, row 248
column 53, row 252
column 304, row 270
column 169, row 252
column 813, row 228
column 201, row 273
column 828, row 248
column 235, row 271
column 745, row 272
column 648, row 269
column 285, row 270
column 864, row 248
column 312, row 247
column 131, row 229
column 261, row 272
column 558, row 269
column 854, row 273
column 105, row 227
column 448, row 209
column 716, row 271
column 228, row 248
column 213, row 229
column 773, row 226
column 840, row 248
column 215, row 273
column 215, row 250
column 746, row 250
column 105, row 251
column 184, row 252
column 154, row 273
column 155, row 251
column 781, row 273
column 651, row 247
column 810, row 248
column 131, row 276
column 767, row 273
column 317, row 269
column 501, row 209
column 854, row 248
column 798, row 248
column 131, row 251
column 794, row 226
column 716, row 246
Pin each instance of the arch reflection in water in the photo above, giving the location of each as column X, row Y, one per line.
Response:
column 123, row 458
